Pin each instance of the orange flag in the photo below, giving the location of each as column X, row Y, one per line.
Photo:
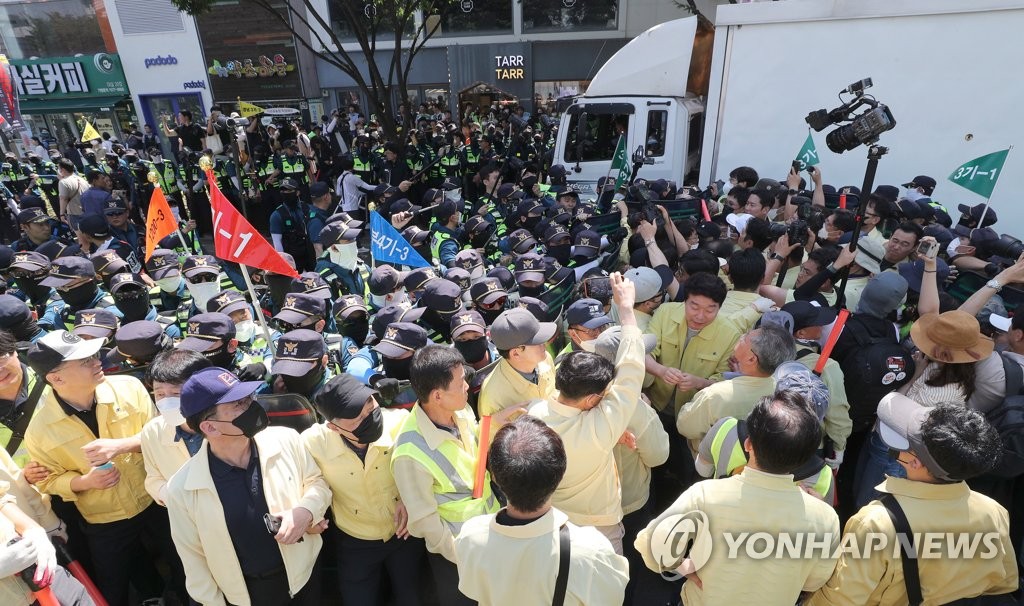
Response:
column 160, row 221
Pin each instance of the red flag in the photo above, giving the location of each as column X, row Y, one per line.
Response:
column 236, row 240
column 160, row 221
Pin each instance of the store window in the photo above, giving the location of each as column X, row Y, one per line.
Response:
column 473, row 18
column 570, row 15
column 50, row 28
column 654, row 142
column 347, row 16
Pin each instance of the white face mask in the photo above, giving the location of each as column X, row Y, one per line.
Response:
column 170, row 410
column 913, row 195
column 169, row 285
column 590, row 345
column 951, row 247
column 726, row 188
column 202, row 292
column 397, row 298
column 454, row 195
column 823, row 233
column 345, row 255
column 245, row 330
column 379, row 301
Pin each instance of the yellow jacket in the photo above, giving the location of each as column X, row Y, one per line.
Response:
column 33, row 504
column 590, row 493
column 365, row 494
column 505, row 387
column 733, row 398
column 837, row 423
column 635, row 465
column 163, row 457
column 55, row 440
column 706, row 355
column 290, row 479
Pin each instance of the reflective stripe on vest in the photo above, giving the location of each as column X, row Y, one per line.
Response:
column 452, row 470
column 726, row 450
column 438, row 238
column 20, row 456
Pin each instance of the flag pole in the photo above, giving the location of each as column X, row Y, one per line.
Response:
column 258, row 310
column 988, row 200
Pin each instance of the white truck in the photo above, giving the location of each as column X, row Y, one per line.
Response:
column 945, row 68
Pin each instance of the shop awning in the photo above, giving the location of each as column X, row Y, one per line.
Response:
column 50, row 106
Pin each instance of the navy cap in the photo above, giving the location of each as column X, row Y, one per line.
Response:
column 31, row 201
column 431, row 196
column 383, row 190
column 889, row 192
column 13, row 311
column 555, row 272
column 460, row 277
column 806, row 314
column 94, row 225
column 395, row 313
column 346, row 394
column 332, row 233
column 207, row 331
column 469, row 259
column 311, row 283
column 530, row 206
column 402, row 205
column 466, row 321
column 414, row 235
column 502, row 273
column 114, row 206
column 587, row 244
column 125, row 280
column 530, row 267
column 212, row 386
column 345, row 218
column 384, row 280
column 163, row 264
column 521, row 241
column 108, row 262
column 477, row 225
column 348, row 305
column 442, row 296
column 98, row 323
column 401, row 338
column 451, row 184
column 588, row 313
column 195, row 265
column 922, row 181
column 137, row 341
column 68, row 269
column 289, row 184
column 974, row 213
column 32, row 215
column 55, row 249
column 300, row 308
column 417, row 278
column 913, row 273
column 556, row 232
column 319, row 189
column 227, row 302
column 298, row 351
column 487, row 291
column 30, row 261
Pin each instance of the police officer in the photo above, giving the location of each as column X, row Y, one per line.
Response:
column 203, row 279
column 131, row 298
column 75, row 281
column 169, row 293
column 108, row 264
column 251, row 339
column 136, row 345
column 28, row 270
column 444, row 234
column 97, row 323
column 416, row 280
column 386, row 288
column 288, row 226
column 301, row 364
column 36, row 228
column 340, row 264
column 121, row 228
column 94, row 235
column 16, row 318
column 291, row 165
column 213, row 335
column 364, row 162
column 442, row 300
column 396, row 348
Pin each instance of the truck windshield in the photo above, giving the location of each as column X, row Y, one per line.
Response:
column 602, row 135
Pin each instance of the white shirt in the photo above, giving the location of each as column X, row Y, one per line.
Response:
column 351, row 189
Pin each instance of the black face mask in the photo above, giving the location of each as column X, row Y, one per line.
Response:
column 80, row 296
column 561, row 252
column 480, row 240
column 371, row 428
column 252, row 421
column 531, row 223
column 489, row 315
column 305, row 384
column 530, row 291
column 36, row 293
column 221, row 357
column 356, row 329
column 397, row 369
column 438, row 322
column 133, row 303
column 290, row 199
column 278, row 286
column 472, row 351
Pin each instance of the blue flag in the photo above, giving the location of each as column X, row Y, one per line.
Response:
column 387, row 245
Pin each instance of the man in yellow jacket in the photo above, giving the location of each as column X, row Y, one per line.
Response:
column 526, row 371
column 246, row 511
column 353, row 450
column 85, row 433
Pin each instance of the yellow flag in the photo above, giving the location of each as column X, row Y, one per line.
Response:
column 89, row 133
column 248, row 110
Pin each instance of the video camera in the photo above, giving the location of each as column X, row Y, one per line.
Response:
column 863, row 128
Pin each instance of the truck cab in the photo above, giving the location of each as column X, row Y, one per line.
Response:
column 639, row 94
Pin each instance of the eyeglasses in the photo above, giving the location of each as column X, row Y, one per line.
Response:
column 203, row 278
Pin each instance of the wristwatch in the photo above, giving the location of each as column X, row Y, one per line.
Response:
column 776, row 257
column 793, row 192
column 994, row 285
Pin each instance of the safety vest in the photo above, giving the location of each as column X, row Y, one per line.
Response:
column 21, row 456
column 168, row 176
column 295, row 168
column 363, row 168
column 453, row 471
column 437, row 238
column 472, row 159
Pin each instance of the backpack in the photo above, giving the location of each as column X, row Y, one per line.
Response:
column 876, row 367
column 1008, row 420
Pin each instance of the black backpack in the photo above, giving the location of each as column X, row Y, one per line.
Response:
column 876, row 367
column 1008, row 420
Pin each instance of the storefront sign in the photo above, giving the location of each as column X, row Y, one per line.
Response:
column 69, row 77
column 195, row 85
column 264, row 67
column 509, row 67
column 158, row 60
column 280, row 111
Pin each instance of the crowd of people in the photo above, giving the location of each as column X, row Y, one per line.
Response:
column 539, row 415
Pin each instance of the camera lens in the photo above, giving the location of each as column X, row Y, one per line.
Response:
column 842, row 139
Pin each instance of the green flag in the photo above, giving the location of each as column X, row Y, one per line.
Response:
column 620, row 163
column 980, row 174
column 808, row 154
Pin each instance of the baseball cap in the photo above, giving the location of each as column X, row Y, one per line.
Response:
column 487, row 291
column 555, row 232
column 212, row 386
column 974, row 212
column 298, row 352
column 206, row 331
column 97, row 323
column 107, row 262
column 344, row 217
column 384, row 280
column 913, row 273
column 466, row 321
column 460, row 277
column 68, row 269
column 13, row 311
column 899, row 426
column 587, row 244
column 477, row 225
column 30, row 261
column 163, row 264
column 442, row 296
column 588, row 313
column 414, row 235
column 58, row 347
column 114, row 206
column 335, row 232
column 346, row 394
column 402, row 205
column 289, row 184
column 318, row 189
column 55, row 249
column 94, row 225
column 300, row 307
column 227, row 302
column 606, row 344
column 889, row 192
column 922, row 181
column 555, row 272
column 518, row 327
column 530, row 267
column 806, row 314
column 195, row 265
column 417, row 278
column 646, row 281
column 738, row 221
column 522, row 241
column 32, row 215
column 403, row 312
column 469, row 259
column 401, row 338
column 530, row 205
column 503, row 275
column 139, row 341
column 311, row 283
column 124, row 280
column 882, row 294
column 348, row 305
